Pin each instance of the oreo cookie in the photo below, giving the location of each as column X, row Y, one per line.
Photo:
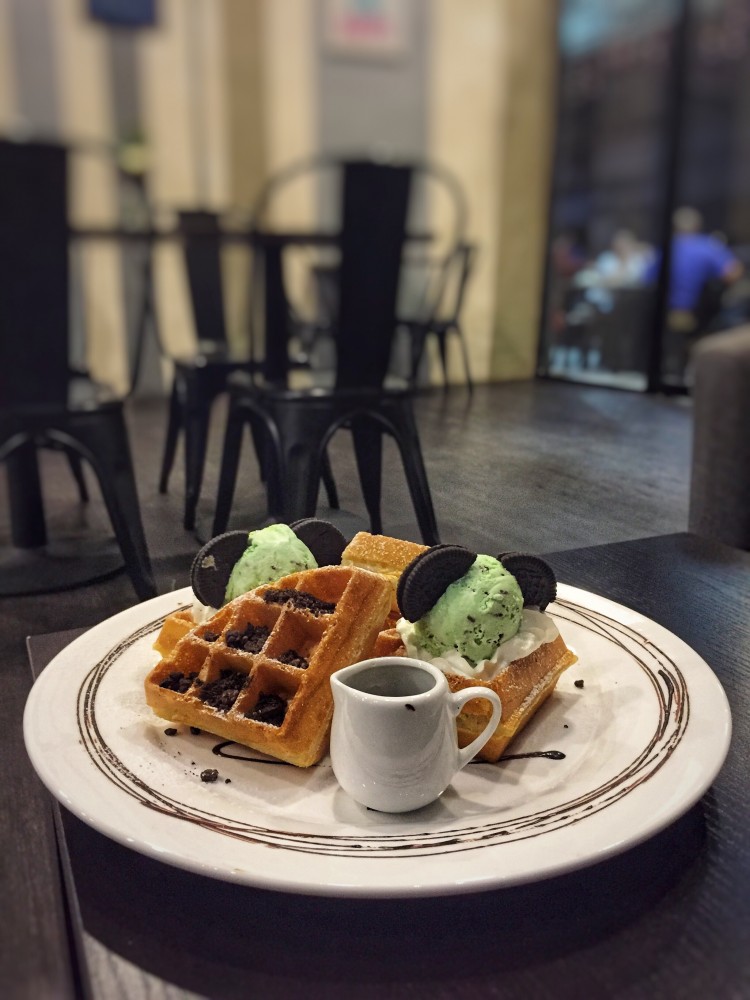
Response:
column 535, row 577
column 426, row 578
column 212, row 566
column 322, row 538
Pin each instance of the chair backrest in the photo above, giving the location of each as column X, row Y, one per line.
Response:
column 374, row 211
column 34, row 274
column 385, row 214
column 436, row 268
column 202, row 241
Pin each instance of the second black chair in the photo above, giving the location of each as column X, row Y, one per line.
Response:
column 298, row 424
column 199, row 376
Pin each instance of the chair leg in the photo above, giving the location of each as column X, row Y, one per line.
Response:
column 329, row 482
column 299, row 482
column 418, row 337
column 443, row 349
column 260, row 444
column 300, row 458
column 230, row 460
column 197, row 414
column 368, row 450
column 27, row 522
column 407, row 438
column 170, row 444
column 76, row 467
column 465, row 355
column 105, row 445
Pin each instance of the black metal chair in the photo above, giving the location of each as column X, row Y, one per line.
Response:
column 442, row 316
column 200, row 376
column 298, row 424
column 42, row 403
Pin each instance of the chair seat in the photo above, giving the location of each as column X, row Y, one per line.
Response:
column 297, row 426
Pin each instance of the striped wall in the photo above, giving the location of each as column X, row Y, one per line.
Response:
column 229, row 90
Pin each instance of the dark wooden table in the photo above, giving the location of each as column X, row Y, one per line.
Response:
column 669, row 918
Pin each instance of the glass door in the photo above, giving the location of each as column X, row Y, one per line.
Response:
column 708, row 287
column 608, row 194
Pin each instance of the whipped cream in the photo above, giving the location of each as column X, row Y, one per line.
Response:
column 201, row 612
column 535, row 630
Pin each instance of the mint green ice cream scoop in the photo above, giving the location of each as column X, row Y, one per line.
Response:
column 271, row 553
column 475, row 614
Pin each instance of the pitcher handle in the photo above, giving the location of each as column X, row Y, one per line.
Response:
column 458, row 700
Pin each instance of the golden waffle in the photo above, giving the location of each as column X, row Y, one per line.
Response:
column 173, row 628
column 258, row 672
column 523, row 686
column 384, row 555
column 376, row 553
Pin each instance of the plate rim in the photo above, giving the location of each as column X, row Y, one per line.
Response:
column 165, row 603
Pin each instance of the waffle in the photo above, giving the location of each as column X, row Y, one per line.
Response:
column 376, row 553
column 173, row 628
column 258, row 672
column 384, row 555
column 523, row 687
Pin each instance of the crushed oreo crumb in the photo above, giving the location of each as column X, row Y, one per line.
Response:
column 252, row 640
column 227, row 781
column 299, row 599
column 195, row 731
column 210, row 774
column 210, row 636
column 170, row 732
column 294, row 659
column 578, row 684
column 269, row 708
column 177, row 681
column 222, row 693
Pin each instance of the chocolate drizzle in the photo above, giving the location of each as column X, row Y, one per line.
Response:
column 549, row 754
column 221, row 751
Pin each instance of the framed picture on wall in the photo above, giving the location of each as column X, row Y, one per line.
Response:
column 370, row 29
column 124, row 13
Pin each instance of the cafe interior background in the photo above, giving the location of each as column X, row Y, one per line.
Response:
column 574, row 128
column 576, row 110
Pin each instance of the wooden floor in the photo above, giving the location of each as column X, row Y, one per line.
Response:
column 535, row 466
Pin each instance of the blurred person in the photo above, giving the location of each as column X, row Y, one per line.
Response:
column 568, row 253
column 625, row 263
column 702, row 267
column 568, row 256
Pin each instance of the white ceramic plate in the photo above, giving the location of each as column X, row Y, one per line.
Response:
column 641, row 720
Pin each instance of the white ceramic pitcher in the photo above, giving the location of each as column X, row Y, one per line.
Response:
column 393, row 739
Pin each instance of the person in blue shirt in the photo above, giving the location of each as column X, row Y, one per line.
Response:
column 701, row 267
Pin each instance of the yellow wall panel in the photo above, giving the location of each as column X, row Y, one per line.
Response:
column 466, row 105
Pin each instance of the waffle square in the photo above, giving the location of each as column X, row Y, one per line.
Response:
column 258, row 672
